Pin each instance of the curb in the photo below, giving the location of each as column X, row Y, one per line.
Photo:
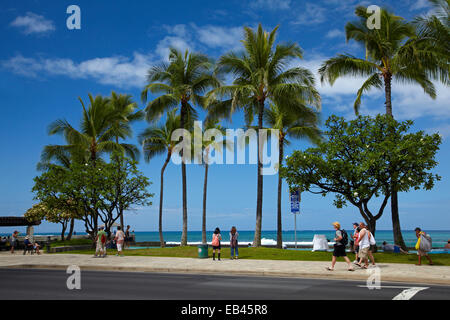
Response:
column 329, row 276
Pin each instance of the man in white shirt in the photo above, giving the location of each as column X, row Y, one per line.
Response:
column 364, row 245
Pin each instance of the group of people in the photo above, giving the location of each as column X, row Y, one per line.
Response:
column 29, row 245
column 120, row 239
column 362, row 241
column 216, row 243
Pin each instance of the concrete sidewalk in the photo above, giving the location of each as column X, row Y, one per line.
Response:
column 301, row 269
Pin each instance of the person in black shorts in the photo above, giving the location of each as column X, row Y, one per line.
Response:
column 217, row 237
column 339, row 248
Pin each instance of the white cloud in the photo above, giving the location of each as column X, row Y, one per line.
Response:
column 123, row 71
column 119, row 71
column 335, row 33
column 220, row 37
column 312, row 14
column 33, row 23
column 270, row 4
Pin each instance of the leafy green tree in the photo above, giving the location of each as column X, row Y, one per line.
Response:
column 64, row 215
column 301, row 124
column 157, row 140
column 182, row 82
column 99, row 193
column 393, row 52
column 354, row 163
column 260, row 76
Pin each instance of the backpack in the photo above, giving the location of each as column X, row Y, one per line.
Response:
column 215, row 241
column 344, row 239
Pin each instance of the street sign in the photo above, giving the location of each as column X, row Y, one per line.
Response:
column 295, row 201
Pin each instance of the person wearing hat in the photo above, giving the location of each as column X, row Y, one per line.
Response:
column 28, row 246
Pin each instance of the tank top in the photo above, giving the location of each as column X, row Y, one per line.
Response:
column 364, row 243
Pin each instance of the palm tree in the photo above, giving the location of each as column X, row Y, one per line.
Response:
column 393, row 52
column 124, row 108
column 298, row 125
column 156, row 140
column 182, row 83
column 96, row 135
column 205, row 148
column 260, row 76
column 434, row 37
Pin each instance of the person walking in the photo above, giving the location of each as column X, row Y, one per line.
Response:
column 364, row 247
column 423, row 246
column 13, row 240
column 100, row 250
column 234, row 243
column 341, row 240
column 119, row 238
column 217, row 237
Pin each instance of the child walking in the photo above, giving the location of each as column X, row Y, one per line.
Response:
column 234, row 243
column 217, row 237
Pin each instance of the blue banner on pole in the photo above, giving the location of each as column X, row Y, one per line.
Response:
column 295, row 201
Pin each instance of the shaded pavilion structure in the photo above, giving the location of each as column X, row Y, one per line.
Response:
column 19, row 222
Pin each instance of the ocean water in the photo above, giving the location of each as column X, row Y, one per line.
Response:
column 440, row 237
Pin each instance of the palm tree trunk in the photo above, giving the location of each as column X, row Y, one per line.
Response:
column 183, row 174
column 280, row 184
column 387, row 90
column 205, row 185
column 257, row 239
column 121, row 214
column 72, row 224
column 398, row 238
column 161, row 239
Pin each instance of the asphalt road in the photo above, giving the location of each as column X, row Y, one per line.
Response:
column 25, row 284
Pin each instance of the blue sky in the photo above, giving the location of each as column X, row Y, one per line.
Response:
column 45, row 67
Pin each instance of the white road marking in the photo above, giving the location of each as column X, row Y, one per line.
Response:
column 406, row 294
column 409, row 293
